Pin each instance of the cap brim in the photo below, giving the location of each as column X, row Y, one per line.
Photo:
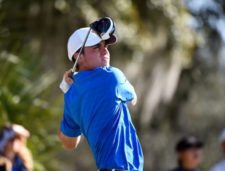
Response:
column 111, row 40
column 197, row 145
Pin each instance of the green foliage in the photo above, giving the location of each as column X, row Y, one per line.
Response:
column 23, row 92
column 25, row 86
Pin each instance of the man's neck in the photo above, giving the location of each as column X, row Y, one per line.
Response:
column 87, row 69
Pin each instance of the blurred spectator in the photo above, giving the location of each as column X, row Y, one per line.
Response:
column 221, row 165
column 14, row 155
column 189, row 154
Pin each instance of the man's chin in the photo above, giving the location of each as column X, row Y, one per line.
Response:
column 106, row 64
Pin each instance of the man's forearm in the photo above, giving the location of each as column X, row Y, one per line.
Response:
column 69, row 143
column 134, row 101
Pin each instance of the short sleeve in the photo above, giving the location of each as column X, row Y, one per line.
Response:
column 125, row 91
column 68, row 126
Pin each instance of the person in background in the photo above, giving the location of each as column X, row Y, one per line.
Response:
column 220, row 166
column 14, row 155
column 189, row 154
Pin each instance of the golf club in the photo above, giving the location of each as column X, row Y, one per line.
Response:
column 81, row 50
column 104, row 28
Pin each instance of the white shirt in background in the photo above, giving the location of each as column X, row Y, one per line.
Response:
column 219, row 166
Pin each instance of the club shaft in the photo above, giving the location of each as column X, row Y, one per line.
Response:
column 81, row 49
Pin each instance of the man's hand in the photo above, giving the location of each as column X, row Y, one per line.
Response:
column 67, row 81
column 68, row 77
column 69, row 143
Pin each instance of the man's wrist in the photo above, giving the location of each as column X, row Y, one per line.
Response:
column 64, row 86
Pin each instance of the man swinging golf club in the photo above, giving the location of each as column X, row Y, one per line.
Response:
column 95, row 104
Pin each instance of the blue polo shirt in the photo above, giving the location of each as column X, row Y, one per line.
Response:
column 96, row 107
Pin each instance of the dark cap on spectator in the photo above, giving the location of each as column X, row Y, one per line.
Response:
column 186, row 143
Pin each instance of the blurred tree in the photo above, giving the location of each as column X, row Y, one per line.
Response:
column 171, row 50
column 23, row 87
column 21, row 101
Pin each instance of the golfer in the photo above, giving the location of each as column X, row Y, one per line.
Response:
column 95, row 106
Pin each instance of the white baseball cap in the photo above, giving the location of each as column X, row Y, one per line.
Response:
column 78, row 37
column 222, row 137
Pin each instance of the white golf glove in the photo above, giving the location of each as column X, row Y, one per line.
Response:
column 67, row 81
column 64, row 86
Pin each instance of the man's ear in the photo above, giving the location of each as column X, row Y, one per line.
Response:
column 76, row 55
